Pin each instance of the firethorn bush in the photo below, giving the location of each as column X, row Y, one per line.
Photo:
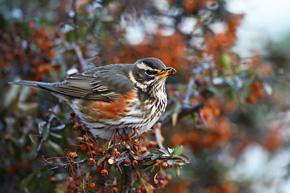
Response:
column 220, row 104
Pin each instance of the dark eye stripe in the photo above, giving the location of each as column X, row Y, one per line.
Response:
column 151, row 72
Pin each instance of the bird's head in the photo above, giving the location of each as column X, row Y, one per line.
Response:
column 151, row 71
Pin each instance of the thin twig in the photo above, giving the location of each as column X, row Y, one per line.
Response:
column 52, row 116
column 202, row 119
column 75, row 19
column 80, row 56
column 189, row 90
column 64, row 165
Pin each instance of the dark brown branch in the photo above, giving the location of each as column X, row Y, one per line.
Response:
column 129, row 180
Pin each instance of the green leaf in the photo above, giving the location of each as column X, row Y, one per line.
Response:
column 154, row 173
column 268, row 89
column 135, row 185
column 150, row 162
column 213, row 90
column 107, row 145
column 55, row 147
column 40, row 127
column 170, row 150
column 154, row 156
column 60, row 127
column 101, row 160
column 177, row 171
column 33, row 138
column 121, row 181
column 148, row 188
column 225, row 59
column 161, row 151
column 144, row 168
column 178, row 150
column 184, row 158
column 56, row 135
column 26, row 181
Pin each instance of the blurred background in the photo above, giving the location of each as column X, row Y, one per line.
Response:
column 231, row 55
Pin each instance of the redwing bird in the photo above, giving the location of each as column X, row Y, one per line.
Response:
column 124, row 96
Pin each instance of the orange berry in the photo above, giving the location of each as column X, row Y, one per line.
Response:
column 53, row 179
column 92, row 162
column 143, row 149
column 135, row 163
column 99, row 168
column 165, row 182
column 168, row 177
column 260, row 94
column 83, row 147
column 164, row 165
column 31, row 25
column 126, row 161
column 251, row 99
column 115, row 189
column 10, row 169
column 158, row 161
column 256, row 85
column 93, row 153
column 28, row 148
column 92, row 184
column 104, row 172
column 73, row 155
column 85, row 138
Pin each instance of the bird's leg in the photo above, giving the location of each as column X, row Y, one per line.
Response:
column 115, row 138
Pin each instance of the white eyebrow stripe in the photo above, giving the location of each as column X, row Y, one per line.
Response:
column 144, row 66
column 132, row 78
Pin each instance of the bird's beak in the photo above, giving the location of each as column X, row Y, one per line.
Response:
column 166, row 72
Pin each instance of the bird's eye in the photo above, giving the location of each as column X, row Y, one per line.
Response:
column 150, row 72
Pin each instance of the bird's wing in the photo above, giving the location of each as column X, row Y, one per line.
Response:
column 102, row 84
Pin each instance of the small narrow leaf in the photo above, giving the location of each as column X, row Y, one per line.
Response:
column 225, row 59
column 56, row 135
column 151, row 162
column 177, row 171
column 60, row 127
column 184, row 158
column 33, row 138
column 40, row 127
column 154, row 173
column 144, row 168
column 178, row 150
column 154, row 156
column 101, row 160
column 55, row 147
column 148, row 188
column 121, row 182
column 170, row 150
column 107, row 145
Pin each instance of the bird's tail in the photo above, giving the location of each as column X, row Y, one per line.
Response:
column 32, row 84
